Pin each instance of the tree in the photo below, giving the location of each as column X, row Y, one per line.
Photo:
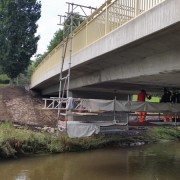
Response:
column 77, row 20
column 18, row 41
column 57, row 38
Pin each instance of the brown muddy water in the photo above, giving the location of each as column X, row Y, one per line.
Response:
column 151, row 162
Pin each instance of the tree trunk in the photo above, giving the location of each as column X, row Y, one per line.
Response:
column 11, row 82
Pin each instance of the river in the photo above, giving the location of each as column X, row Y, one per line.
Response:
column 150, row 162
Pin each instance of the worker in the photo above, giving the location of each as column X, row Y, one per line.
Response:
column 175, row 98
column 166, row 98
column 141, row 98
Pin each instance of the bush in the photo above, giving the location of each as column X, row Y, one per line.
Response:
column 4, row 79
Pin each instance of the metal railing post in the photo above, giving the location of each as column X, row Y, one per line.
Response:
column 114, row 113
column 106, row 19
column 175, row 119
column 128, row 114
column 137, row 7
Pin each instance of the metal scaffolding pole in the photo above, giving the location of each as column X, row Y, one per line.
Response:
column 64, row 79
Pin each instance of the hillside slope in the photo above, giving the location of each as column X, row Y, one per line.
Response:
column 17, row 105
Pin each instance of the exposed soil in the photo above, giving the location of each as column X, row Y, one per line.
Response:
column 19, row 106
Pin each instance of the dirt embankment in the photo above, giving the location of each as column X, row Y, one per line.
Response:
column 18, row 105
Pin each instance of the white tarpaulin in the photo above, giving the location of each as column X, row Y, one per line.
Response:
column 78, row 129
column 131, row 106
column 96, row 105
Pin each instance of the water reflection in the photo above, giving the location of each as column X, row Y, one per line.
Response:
column 155, row 162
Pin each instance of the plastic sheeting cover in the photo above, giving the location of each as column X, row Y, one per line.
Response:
column 131, row 106
column 96, row 105
column 78, row 129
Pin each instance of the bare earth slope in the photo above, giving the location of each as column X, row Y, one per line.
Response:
column 17, row 105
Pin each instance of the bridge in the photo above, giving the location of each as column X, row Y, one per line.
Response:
column 124, row 46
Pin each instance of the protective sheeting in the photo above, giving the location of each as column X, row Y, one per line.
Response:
column 96, row 105
column 131, row 106
column 78, row 129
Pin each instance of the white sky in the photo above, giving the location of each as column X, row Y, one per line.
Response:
column 49, row 18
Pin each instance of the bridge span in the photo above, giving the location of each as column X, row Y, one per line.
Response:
column 124, row 46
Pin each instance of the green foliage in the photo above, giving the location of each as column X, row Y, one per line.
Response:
column 164, row 133
column 57, row 38
column 22, row 79
column 76, row 21
column 4, row 79
column 57, row 144
column 14, row 142
column 1, row 71
column 17, row 34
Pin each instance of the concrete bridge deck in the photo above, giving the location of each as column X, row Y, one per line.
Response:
column 142, row 53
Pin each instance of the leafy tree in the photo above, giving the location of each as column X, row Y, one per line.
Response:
column 18, row 41
column 77, row 20
column 57, row 38
column 1, row 71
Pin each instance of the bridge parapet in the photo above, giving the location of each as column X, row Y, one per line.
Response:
column 111, row 15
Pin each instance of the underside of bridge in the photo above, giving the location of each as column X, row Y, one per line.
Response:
column 150, row 63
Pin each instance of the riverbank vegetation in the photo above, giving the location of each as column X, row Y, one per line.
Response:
column 23, row 142
column 18, row 48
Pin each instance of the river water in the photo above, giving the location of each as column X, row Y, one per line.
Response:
column 151, row 162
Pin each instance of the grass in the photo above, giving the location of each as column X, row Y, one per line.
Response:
column 164, row 133
column 4, row 85
column 4, row 79
column 16, row 142
column 153, row 99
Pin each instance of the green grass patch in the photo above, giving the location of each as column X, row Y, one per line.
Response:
column 153, row 99
column 4, row 85
column 15, row 142
column 4, row 79
column 164, row 133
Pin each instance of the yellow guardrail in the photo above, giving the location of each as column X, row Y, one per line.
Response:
column 111, row 15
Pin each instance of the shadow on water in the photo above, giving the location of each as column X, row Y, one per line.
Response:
column 152, row 162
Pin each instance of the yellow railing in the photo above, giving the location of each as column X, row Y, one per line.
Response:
column 111, row 15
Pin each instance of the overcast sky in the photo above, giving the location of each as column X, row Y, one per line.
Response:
column 49, row 18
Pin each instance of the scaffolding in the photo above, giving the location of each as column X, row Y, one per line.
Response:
column 68, row 23
column 68, row 31
column 121, row 115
